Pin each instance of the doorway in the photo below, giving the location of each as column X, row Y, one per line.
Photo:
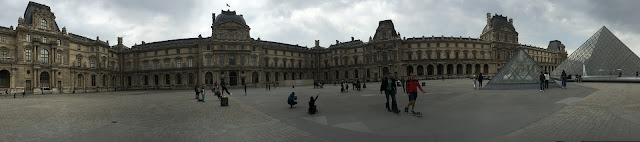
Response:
column 233, row 78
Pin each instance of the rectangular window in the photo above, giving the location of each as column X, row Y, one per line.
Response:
column 266, row 51
column 178, row 51
column 146, row 65
column 4, row 39
column 28, row 55
column 208, row 58
column 59, row 58
column 44, row 39
column 166, row 52
column 221, row 60
column 3, row 55
column 93, row 80
column 58, row 42
column 79, row 60
column 92, row 62
column 179, row 63
column 78, row 47
column 155, row 64
column 28, row 37
column 166, row 64
column 155, row 53
column 190, row 50
column 92, row 49
column 190, row 62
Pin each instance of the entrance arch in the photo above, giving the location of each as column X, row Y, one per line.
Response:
column 208, row 78
column 255, row 77
column 459, row 69
column 409, row 70
column 233, row 78
column 440, row 69
column 486, row 69
column 420, row 70
column 5, row 79
column 44, row 79
column 429, row 69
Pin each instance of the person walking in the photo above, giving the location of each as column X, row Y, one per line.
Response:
column 224, row 89
column 245, row 89
column 546, row 80
column 412, row 92
column 480, row 78
column 202, row 93
column 542, row 78
column 197, row 91
column 402, row 81
column 474, row 81
column 389, row 88
column 564, row 79
column 24, row 93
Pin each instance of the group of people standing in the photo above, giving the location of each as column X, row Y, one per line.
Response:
column 477, row 81
column 217, row 90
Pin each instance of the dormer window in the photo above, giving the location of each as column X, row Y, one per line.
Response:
column 43, row 24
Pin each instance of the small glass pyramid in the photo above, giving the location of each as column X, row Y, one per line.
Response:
column 519, row 73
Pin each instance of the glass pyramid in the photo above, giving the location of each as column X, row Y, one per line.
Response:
column 601, row 54
column 520, row 72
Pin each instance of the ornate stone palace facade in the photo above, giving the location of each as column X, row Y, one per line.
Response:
column 37, row 53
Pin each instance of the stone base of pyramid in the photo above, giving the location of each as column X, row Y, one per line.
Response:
column 515, row 86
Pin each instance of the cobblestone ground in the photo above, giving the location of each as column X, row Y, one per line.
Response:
column 138, row 116
column 610, row 114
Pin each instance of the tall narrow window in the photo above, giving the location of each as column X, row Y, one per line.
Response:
column 79, row 60
column 232, row 60
column 58, row 42
column 93, row 80
column 155, row 64
column 208, row 58
column 92, row 62
column 43, row 24
column 242, row 60
column 4, row 39
column 221, row 60
column 179, row 63
column 59, row 58
column 3, row 55
column 78, row 47
column 166, row 64
column 44, row 39
column 190, row 62
column 28, row 55
column 28, row 37
column 44, row 56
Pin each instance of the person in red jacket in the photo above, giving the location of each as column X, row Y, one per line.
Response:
column 412, row 91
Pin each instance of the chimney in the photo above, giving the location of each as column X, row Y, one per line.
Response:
column 317, row 43
column 510, row 21
column 142, row 42
column 337, row 41
column 119, row 40
column 488, row 21
column 352, row 39
column 213, row 17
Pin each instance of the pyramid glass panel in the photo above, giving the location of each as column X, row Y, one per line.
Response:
column 601, row 55
column 520, row 72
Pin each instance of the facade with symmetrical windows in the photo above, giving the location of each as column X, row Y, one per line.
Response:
column 38, row 54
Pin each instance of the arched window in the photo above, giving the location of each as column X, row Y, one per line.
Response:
column 43, row 24
column 44, row 56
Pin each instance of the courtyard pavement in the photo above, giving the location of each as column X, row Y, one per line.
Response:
column 452, row 111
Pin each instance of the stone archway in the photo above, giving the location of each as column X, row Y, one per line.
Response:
column 5, row 79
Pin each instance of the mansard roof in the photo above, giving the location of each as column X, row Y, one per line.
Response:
column 166, row 43
column 30, row 11
column 280, row 45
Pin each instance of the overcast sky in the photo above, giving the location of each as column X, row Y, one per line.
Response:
column 302, row 22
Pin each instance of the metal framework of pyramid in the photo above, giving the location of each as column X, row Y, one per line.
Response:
column 601, row 54
column 521, row 72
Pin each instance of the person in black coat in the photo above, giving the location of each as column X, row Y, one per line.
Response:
column 389, row 88
column 542, row 79
column 480, row 78
column 312, row 105
column 197, row 92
